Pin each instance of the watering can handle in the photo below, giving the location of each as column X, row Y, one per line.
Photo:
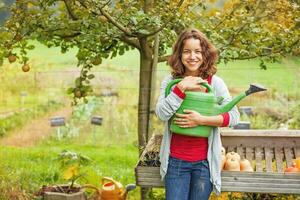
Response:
column 111, row 180
column 175, row 81
column 98, row 190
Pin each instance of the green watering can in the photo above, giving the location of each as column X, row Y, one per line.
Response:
column 205, row 104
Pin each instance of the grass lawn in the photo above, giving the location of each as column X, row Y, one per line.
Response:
column 30, row 168
column 112, row 149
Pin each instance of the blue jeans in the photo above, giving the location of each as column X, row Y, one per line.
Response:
column 187, row 180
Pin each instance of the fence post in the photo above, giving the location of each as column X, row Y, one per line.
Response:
column 57, row 122
column 96, row 121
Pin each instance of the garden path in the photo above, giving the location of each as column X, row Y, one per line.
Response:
column 34, row 131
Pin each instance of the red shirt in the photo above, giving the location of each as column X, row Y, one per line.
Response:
column 190, row 148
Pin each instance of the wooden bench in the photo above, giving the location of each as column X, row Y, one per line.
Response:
column 270, row 152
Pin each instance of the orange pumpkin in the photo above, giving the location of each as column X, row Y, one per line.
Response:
column 232, row 154
column 297, row 161
column 293, row 168
column 232, row 164
column 246, row 165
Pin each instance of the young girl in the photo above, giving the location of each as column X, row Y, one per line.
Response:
column 190, row 165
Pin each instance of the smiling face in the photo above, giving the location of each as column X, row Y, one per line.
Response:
column 191, row 56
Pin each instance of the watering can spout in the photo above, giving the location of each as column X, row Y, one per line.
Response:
column 255, row 88
column 128, row 188
column 252, row 89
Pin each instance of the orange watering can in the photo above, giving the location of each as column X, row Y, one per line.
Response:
column 112, row 190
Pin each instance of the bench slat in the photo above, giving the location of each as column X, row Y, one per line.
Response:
column 261, row 190
column 297, row 151
column 288, row 156
column 258, row 159
column 249, row 155
column 240, row 151
column 266, row 175
column 260, row 185
column 231, row 148
column 269, row 158
column 228, row 180
column 278, row 158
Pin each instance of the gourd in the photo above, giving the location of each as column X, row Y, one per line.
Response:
column 245, row 165
column 297, row 161
column 233, row 154
column 293, row 168
column 232, row 164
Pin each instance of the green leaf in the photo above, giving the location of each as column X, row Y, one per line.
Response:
column 255, row 30
column 143, row 31
column 121, row 50
column 262, row 65
column 78, row 82
column 114, row 54
column 133, row 20
column 91, row 76
column 30, row 47
column 235, row 54
column 84, row 72
column 70, row 90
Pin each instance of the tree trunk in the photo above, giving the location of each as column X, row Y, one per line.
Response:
column 144, row 98
column 153, row 86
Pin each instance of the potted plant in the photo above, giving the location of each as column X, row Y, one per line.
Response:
column 71, row 165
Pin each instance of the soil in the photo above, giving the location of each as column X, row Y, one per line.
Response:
column 59, row 189
column 34, row 131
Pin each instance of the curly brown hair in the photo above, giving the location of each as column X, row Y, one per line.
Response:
column 210, row 54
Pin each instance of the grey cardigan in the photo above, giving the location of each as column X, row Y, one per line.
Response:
column 166, row 108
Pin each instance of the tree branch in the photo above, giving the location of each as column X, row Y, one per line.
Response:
column 67, row 36
column 231, row 14
column 82, row 4
column 70, row 11
column 164, row 58
column 131, row 41
column 225, row 18
column 241, row 28
column 125, row 30
column 165, row 24
column 279, row 51
column 249, row 57
column 72, row 35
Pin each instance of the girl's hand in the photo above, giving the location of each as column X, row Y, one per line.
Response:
column 189, row 119
column 192, row 118
column 191, row 83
